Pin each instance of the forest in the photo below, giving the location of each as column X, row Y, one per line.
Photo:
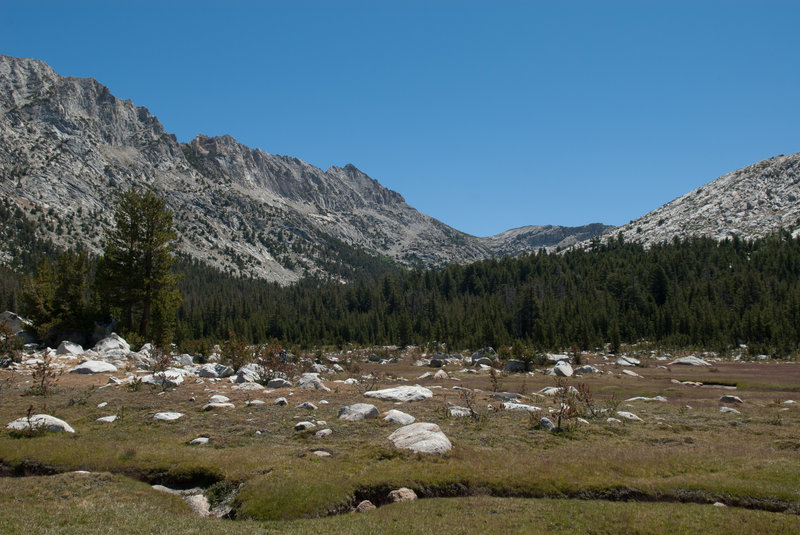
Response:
column 691, row 293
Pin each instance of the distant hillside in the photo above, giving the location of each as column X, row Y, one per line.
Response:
column 749, row 203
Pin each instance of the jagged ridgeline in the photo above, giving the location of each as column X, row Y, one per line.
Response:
column 69, row 148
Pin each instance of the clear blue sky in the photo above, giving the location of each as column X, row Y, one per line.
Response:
column 486, row 115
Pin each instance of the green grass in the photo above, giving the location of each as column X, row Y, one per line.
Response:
column 678, row 454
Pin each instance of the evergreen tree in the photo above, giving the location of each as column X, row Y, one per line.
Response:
column 134, row 275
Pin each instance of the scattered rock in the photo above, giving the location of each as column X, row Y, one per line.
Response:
column 40, row 421
column 629, row 416
column 403, row 494
column 69, row 348
column 94, row 366
column 460, row 412
column 255, row 402
column 321, row 453
column 365, row 506
column 401, row 393
column 583, row 370
column 357, row 412
column 691, row 360
column 278, row 383
column 214, row 370
column 167, row 416
column 214, row 406
column 199, row 441
column 398, row 417
column 308, row 406
column 302, row 426
column 322, row 433
column 112, row 342
column 249, row 373
column 562, row 369
column 628, row 361
column 107, row 419
column 662, row 399
column 312, row 381
column 547, row 424
column 168, row 378
column 218, row 398
column 729, row 410
column 441, row 375
column 613, row 420
column 515, row 366
column 421, row 438
column 630, row 373
column 280, row 401
column 727, row 398
column 510, row 406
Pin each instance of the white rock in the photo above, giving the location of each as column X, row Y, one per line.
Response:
column 312, row 381
column 401, row 393
column 510, row 406
column 214, row 370
column 441, row 375
column 629, row 416
column 256, row 402
column 628, row 361
column 322, row 433
column 218, row 398
column 307, row 405
column 107, row 419
column 199, row 441
column 212, row 406
column 321, row 453
column 94, row 366
column 546, row 423
column 166, row 378
column 280, row 401
column 613, row 420
column 358, row 412
column 69, row 348
column 630, row 373
column 167, row 416
column 399, row 417
column 662, row 399
column 403, row 494
column 40, row 421
column 302, row 426
column 729, row 410
column 727, row 398
column 583, row 370
column 562, row 369
column 421, row 438
column 691, row 360
column 112, row 342
column 278, row 383
column 459, row 412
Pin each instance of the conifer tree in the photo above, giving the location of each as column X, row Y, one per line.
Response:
column 134, row 275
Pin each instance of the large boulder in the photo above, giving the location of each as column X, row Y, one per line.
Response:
column 278, row 383
column 311, row 381
column 69, row 348
column 40, row 421
column 357, row 412
column 214, row 370
column 562, row 369
column 628, row 361
column 112, row 342
column 249, row 373
column 13, row 321
column 94, row 366
column 485, row 353
column 168, row 378
column 401, row 393
column 421, row 437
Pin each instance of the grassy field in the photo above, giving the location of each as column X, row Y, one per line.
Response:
column 504, row 474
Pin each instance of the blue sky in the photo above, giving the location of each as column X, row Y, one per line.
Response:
column 486, row 115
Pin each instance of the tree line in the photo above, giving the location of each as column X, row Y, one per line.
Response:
column 695, row 292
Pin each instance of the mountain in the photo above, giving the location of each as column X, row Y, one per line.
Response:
column 751, row 202
column 68, row 148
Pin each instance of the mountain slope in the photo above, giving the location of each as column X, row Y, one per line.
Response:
column 68, row 148
column 751, row 202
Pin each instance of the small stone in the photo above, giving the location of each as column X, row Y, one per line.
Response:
column 321, row 453
column 107, row 419
column 322, row 433
column 729, row 410
column 629, row 416
column 307, row 405
column 199, row 441
column 219, row 398
column 280, row 401
column 358, row 412
column 727, row 398
column 101, row 405
column 547, row 424
column 398, row 417
column 213, row 406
